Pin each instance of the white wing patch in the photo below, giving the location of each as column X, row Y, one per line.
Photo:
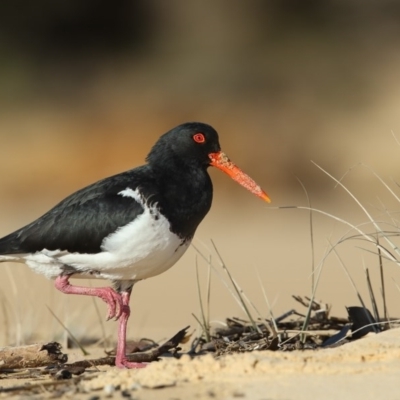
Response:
column 135, row 194
column 141, row 249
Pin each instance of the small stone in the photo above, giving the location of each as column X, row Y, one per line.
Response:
column 63, row 374
column 135, row 386
column 126, row 393
column 109, row 389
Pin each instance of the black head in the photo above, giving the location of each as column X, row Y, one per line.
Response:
column 189, row 143
column 193, row 146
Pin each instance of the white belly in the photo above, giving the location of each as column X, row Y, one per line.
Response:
column 144, row 248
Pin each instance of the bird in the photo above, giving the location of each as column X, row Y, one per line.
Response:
column 130, row 226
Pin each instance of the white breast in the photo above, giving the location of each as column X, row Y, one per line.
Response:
column 141, row 249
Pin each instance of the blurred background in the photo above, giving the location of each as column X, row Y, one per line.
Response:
column 87, row 87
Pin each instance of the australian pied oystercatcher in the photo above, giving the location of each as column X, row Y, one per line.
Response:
column 130, row 226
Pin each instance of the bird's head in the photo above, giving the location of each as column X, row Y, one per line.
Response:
column 197, row 144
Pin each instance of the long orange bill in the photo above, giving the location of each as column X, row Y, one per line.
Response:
column 222, row 162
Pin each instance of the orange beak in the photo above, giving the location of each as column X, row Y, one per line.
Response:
column 222, row 162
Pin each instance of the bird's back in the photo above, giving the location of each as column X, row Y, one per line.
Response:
column 80, row 222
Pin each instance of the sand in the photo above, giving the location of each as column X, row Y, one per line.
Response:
column 264, row 247
column 365, row 369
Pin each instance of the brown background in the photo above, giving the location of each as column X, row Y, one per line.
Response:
column 86, row 89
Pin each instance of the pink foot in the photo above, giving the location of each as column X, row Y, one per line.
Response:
column 107, row 294
column 124, row 363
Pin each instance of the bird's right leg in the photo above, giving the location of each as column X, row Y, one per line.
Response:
column 120, row 358
column 107, row 294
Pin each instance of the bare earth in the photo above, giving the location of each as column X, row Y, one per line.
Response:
column 366, row 369
column 254, row 240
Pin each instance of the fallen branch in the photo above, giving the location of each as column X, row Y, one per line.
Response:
column 153, row 355
column 32, row 356
column 321, row 332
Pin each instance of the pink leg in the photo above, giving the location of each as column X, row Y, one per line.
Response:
column 120, row 359
column 109, row 295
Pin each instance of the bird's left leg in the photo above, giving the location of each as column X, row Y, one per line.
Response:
column 107, row 294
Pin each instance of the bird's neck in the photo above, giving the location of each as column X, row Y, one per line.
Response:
column 185, row 197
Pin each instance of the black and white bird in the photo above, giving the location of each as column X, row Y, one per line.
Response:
column 130, row 226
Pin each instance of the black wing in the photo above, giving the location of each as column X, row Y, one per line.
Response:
column 81, row 221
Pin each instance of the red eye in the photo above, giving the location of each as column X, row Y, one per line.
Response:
column 199, row 138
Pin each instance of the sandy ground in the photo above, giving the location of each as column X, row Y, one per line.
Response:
column 272, row 243
column 265, row 248
column 366, row 369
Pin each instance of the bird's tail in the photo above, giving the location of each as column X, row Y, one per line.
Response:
column 11, row 259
